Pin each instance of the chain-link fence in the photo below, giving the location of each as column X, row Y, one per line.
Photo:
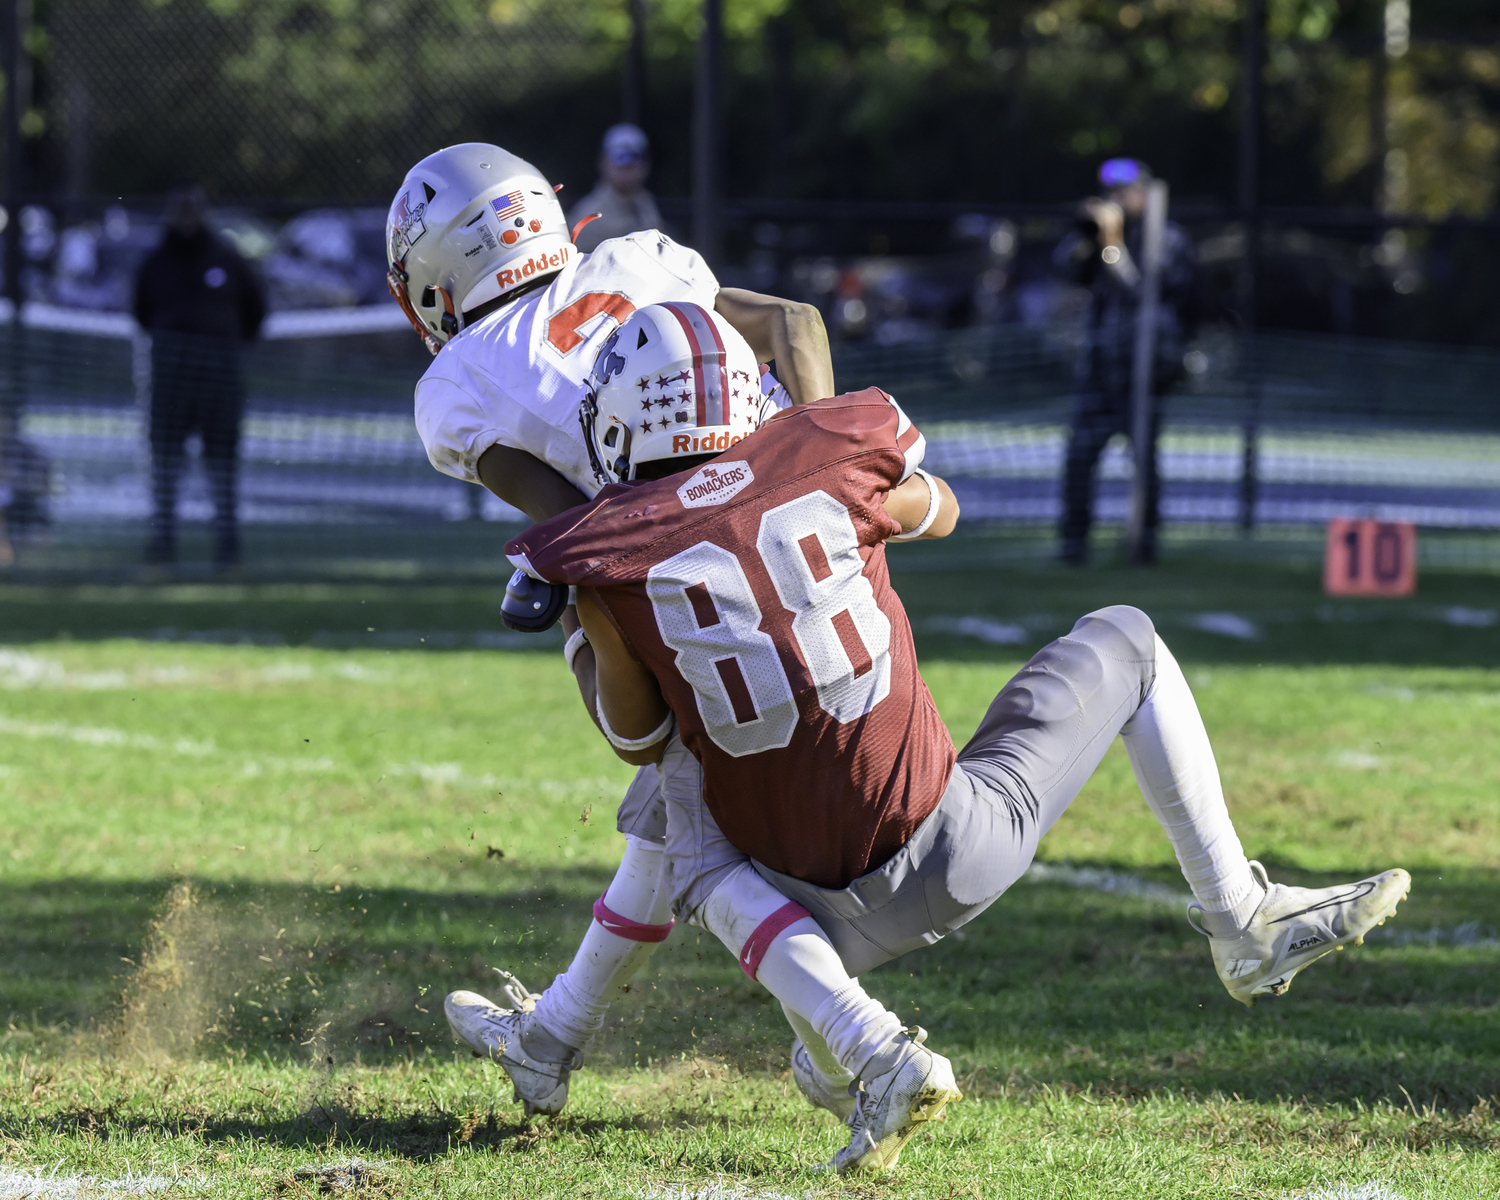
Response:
column 1270, row 435
column 333, row 479
column 284, row 98
column 301, row 115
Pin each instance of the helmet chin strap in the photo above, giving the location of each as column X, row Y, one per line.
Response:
column 451, row 321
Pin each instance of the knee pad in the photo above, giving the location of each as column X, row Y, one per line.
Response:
column 633, row 931
column 637, row 891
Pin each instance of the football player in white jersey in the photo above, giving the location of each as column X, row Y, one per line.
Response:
column 483, row 264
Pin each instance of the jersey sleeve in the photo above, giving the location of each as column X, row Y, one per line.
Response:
column 872, row 423
column 453, row 426
column 909, row 441
column 575, row 547
column 460, row 414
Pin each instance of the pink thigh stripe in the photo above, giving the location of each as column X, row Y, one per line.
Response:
column 766, row 932
column 624, row 927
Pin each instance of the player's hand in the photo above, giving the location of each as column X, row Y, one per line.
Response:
column 1109, row 217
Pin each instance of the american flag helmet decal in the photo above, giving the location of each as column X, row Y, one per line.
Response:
column 509, row 204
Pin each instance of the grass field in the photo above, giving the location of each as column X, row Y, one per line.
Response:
column 251, row 835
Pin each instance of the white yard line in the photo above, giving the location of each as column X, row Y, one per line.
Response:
column 1470, row 933
column 1348, row 1191
column 718, row 1189
column 986, row 629
column 1097, row 879
column 1226, row 624
column 21, row 670
column 44, row 1185
column 102, row 735
column 1121, row 883
column 449, row 774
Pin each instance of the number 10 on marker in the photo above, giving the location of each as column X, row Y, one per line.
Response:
column 1370, row 558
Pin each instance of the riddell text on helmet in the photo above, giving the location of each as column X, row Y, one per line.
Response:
column 541, row 262
column 685, row 443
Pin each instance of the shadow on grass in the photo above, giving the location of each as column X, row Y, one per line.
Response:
column 331, row 1125
column 1052, row 987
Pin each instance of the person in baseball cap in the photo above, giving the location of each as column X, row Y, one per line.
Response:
column 621, row 200
column 1103, row 254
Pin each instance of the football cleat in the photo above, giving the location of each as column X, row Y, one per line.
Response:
column 905, row 1086
column 821, row 1092
column 1294, row 927
column 507, row 1036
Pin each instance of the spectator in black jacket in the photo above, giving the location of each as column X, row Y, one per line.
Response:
column 1104, row 255
column 199, row 300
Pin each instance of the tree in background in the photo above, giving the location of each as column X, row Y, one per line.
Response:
column 929, row 99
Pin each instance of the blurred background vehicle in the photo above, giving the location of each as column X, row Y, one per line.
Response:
column 92, row 264
column 328, row 258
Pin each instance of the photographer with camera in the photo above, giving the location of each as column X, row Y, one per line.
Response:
column 1104, row 254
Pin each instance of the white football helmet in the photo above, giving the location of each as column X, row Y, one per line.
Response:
column 675, row 381
column 468, row 224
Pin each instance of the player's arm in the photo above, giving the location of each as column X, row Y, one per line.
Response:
column 527, row 483
column 790, row 333
column 629, row 697
column 908, row 504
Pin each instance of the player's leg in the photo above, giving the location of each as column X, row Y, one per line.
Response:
column 1048, row 729
column 1094, row 423
column 1037, row 745
column 221, row 446
column 774, row 940
column 849, row 1041
column 540, row 1039
column 1261, row 933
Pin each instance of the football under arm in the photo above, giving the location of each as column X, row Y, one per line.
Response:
column 539, row 491
column 787, row 332
column 629, row 697
column 907, row 504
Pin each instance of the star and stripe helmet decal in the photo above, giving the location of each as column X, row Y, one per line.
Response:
column 674, row 381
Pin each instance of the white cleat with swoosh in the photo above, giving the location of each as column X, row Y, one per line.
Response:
column 509, row 1037
column 1294, row 927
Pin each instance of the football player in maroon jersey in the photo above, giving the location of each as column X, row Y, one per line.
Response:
column 675, row 407
column 742, row 613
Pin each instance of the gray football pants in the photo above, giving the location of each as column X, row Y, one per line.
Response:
column 643, row 811
column 1041, row 739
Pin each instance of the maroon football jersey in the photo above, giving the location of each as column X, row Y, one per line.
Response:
column 756, row 591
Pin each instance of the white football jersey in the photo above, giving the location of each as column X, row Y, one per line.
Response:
column 517, row 376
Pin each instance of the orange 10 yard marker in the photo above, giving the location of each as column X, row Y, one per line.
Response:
column 1370, row 558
